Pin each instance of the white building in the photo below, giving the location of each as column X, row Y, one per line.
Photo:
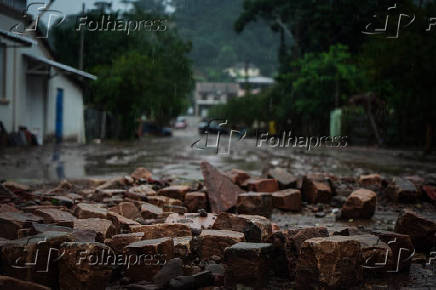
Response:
column 35, row 91
column 207, row 95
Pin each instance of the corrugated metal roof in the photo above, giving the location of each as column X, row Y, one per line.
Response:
column 61, row 66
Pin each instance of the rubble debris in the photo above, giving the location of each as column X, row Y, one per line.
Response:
column 214, row 242
column 255, row 228
column 402, row 190
column 247, row 264
column 283, row 177
column 329, row 263
column 223, row 194
column 162, row 230
column 175, row 191
column 238, row 176
column 360, row 203
column 289, row 200
column 256, row 203
column 316, row 190
column 195, row 201
column 421, row 230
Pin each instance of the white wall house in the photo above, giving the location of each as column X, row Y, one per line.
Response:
column 35, row 91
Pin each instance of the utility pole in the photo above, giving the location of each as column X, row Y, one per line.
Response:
column 82, row 40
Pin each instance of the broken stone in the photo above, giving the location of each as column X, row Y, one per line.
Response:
column 121, row 224
column 371, row 180
column 9, row 283
column 150, row 256
column 213, row 242
column 162, row 230
column 247, row 264
column 175, row 191
column 8, row 208
column 150, row 211
column 119, row 242
column 195, row 201
column 287, row 245
column 401, row 246
column 289, row 199
column 40, row 251
column 344, row 231
column 56, row 216
column 223, row 194
column 256, row 203
column 316, row 191
column 140, row 192
column 61, row 200
column 376, row 254
column 182, row 246
column 238, row 176
column 41, row 228
column 261, row 185
column 84, row 266
column 15, row 187
column 329, row 263
column 12, row 222
column 360, row 204
column 141, row 173
column 160, row 201
column 255, row 228
column 170, row 270
column 194, row 220
column 86, row 210
column 196, row 281
column 283, row 177
column 421, row 230
column 104, row 228
column 126, row 209
column 402, row 190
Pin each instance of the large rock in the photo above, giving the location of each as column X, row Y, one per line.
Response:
column 223, row 194
column 261, row 185
column 86, row 210
column 329, row 263
column 195, row 201
column 121, row 224
column 162, row 230
column 126, row 209
column 214, row 242
column 150, row 211
column 401, row 246
column 238, row 176
column 289, row 200
column 256, row 203
column 175, row 191
column 421, row 230
column 119, row 242
column 140, row 192
column 34, row 258
column 247, row 264
column 283, row 177
column 315, row 190
column 9, row 283
column 148, row 258
column 56, row 216
column 255, row 228
column 371, row 181
column 12, row 222
column 376, row 254
column 287, row 245
column 402, row 190
column 360, row 203
column 104, row 228
column 85, row 266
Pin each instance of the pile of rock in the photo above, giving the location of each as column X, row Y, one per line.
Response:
column 136, row 232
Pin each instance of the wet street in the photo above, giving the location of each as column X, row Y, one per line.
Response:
column 175, row 157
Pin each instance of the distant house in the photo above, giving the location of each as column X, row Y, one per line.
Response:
column 208, row 95
column 254, row 84
column 36, row 91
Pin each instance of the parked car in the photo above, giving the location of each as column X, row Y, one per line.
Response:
column 212, row 127
column 150, row 128
column 180, row 123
